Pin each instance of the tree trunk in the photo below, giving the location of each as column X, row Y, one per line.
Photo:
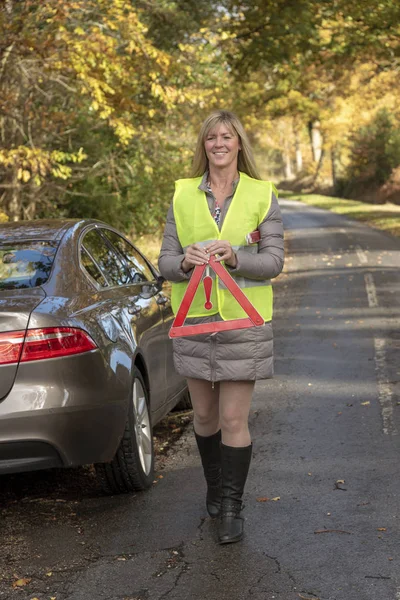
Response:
column 14, row 204
column 333, row 166
column 29, row 211
column 288, row 165
column 314, row 128
column 299, row 155
column 321, row 160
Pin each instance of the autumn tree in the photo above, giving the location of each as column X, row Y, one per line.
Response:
column 304, row 57
column 87, row 98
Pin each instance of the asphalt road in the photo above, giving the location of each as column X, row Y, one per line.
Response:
column 322, row 500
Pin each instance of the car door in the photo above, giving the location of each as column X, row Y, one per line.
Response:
column 148, row 322
column 145, row 272
column 124, row 308
column 176, row 383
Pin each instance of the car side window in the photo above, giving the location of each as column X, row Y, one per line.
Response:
column 138, row 267
column 106, row 258
column 92, row 269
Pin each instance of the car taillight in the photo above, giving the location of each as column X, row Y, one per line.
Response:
column 10, row 346
column 39, row 344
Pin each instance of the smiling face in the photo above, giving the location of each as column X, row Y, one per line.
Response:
column 222, row 146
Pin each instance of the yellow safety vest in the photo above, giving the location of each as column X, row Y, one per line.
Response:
column 195, row 224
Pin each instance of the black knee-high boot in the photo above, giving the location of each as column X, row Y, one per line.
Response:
column 235, row 467
column 210, row 453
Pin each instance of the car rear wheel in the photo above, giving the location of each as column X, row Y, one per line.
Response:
column 132, row 467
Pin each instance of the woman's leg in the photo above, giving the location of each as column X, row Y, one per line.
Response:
column 205, row 406
column 208, row 437
column 236, row 450
column 234, row 407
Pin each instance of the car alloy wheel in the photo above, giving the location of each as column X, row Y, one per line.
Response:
column 142, row 426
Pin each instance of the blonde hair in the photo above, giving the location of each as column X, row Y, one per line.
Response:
column 246, row 162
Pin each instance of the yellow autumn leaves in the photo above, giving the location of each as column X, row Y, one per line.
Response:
column 35, row 164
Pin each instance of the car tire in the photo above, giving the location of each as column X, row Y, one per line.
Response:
column 132, row 468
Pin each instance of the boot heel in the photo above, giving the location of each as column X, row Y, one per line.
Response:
column 231, row 524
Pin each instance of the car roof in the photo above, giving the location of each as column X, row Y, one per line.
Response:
column 39, row 229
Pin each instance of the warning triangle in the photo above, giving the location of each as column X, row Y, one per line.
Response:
column 178, row 329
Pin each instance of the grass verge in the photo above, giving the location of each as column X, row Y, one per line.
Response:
column 385, row 217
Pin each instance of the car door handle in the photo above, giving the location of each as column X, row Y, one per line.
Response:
column 162, row 300
column 134, row 309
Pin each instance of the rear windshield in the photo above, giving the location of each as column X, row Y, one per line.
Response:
column 25, row 264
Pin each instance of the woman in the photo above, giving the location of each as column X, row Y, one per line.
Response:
column 211, row 214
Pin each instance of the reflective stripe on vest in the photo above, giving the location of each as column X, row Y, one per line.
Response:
column 195, row 224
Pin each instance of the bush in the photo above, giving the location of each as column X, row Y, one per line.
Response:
column 374, row 153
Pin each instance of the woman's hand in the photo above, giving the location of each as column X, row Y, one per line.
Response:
column 195, row 255
column 224, row 250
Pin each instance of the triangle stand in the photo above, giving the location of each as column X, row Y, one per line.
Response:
column 178, row 329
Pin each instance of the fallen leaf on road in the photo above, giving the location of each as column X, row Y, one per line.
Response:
column 338, row 483
column 332, row 531
column 266, row 499
column 365, row 403
column 307, row 597
column 21, row 582
column 381, row 529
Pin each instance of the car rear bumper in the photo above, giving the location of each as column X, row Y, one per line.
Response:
column 17, row 457
column 69, row 420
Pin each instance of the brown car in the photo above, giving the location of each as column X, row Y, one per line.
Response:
column 85, row 359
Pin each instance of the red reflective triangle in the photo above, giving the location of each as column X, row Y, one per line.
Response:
column 178, row 328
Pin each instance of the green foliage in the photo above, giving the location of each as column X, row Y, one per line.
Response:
column 100, row 100
column 87, row 91
column 131, row 189
column 374, row 152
